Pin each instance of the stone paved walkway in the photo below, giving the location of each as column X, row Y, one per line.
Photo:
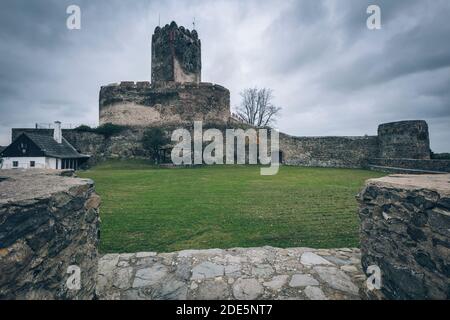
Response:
column 253, row 273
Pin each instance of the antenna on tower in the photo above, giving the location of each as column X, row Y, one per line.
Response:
column 193, row 24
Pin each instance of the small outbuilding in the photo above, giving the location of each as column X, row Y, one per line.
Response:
column 40, row 151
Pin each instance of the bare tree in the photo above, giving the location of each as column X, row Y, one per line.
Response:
column 256, row 107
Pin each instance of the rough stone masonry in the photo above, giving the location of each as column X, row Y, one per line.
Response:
column 48, row 222
column 405, row 231
column 176, row 55
column 235, row 274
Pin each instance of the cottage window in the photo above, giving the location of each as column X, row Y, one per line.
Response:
column 32, row 164
column 15, row 164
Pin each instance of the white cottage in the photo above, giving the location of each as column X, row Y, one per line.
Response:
column 35, row 150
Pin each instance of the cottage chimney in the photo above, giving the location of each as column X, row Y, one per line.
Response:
column 57, row 134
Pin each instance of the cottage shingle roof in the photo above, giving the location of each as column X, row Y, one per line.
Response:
column 51, row 148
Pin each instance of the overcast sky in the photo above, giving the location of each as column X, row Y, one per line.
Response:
column 331, row 75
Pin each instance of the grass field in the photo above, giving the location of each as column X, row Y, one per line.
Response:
column 151, row 209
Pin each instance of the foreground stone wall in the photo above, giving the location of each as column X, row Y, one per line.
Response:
column 405, row 231
column 143, row 104
column 48, row 222
column 346, row 152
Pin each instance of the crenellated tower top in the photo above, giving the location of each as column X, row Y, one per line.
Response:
column 176, row 55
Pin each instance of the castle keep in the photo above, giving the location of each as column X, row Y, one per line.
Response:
column 176, row 94
column 176, row 97
column 176, row 55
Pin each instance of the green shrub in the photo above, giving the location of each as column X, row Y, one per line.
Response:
column 152, row 140
column 109, row 129
column 84, row 128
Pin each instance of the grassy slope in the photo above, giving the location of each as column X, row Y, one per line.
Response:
column 149, row 209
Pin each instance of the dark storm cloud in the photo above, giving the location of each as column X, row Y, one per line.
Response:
column 49, row 72
column 330, row 73
column 419, row 49
column 33, row 22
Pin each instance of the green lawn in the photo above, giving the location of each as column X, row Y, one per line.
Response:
column 145, row 208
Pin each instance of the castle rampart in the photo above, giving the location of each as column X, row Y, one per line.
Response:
column 345, row 152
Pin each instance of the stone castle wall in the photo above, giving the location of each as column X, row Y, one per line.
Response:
column 48, row 222
column 346, row 152
column 127, row 145
column 405, row 231
column 142, row 104
column 343, row 152
column 404, row 139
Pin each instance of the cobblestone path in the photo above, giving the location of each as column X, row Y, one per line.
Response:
column 251, row 273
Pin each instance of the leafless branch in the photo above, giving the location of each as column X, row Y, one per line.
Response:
column 256, row 107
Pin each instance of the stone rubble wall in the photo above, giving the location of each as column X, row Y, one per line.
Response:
column 351, row 152
column 127, row 145
column 346, row 152
column 405, row 231
column 48, row 222
column 341, row 152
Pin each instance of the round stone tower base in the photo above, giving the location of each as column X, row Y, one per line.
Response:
column 142, row 104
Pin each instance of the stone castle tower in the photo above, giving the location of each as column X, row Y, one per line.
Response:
column 176, row 95
column 176, row 55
